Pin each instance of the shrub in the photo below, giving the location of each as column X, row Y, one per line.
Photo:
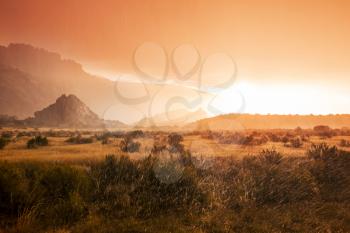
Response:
column 323, row 131
column 37, row 142
column 113, row 181
column 285, row 139
column 322, row 151
column 269, row 179
column 294, row 142
column 104, row 137
column 105, row 141
column 64, row 189
column 270, row 156
column 174, row 141
column 344, row 143
column 13, row 189
column 274, row 137
column 80, row 140
column 128, row 145
column 158, row 146
column 50, row 195
column 3, row 142
column 331, row 169
column 247, row 140
column 135, row 134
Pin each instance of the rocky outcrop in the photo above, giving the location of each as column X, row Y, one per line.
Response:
column 70, row 112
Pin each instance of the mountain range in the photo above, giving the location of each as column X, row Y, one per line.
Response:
column 32, row 78
column 174, row 118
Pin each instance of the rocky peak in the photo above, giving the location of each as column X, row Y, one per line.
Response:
column 67, row 111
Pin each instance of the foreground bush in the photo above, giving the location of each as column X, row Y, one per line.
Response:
column 262, row 193
column 43, row 194
column 331, row 168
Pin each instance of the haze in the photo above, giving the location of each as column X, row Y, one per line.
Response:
column 291, row 56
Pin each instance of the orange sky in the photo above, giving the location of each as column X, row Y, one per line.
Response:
column 285, row 43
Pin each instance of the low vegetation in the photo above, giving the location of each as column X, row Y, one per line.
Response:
column 3, row 142
column 80, row 140
column 129, row 145
column 267, row 192
column 36, row 142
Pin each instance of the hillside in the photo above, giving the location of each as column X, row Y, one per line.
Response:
column 31, row 78
column 250, row 121
column 179, row 117
column 21, row 93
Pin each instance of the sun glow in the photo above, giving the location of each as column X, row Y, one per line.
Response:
column 246, row 97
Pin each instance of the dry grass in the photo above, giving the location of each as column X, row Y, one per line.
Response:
column 59, row 150
column 243, row 188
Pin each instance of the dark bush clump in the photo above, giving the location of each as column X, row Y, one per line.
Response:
column 37, row 142
column 80, row 140
column 331, row 168
column 296, row 142
column 324, row 131
column 3, row 142
column 159, row 145
column 136, row 134
column 174, row 141
column 344, row 143
column 128, row 145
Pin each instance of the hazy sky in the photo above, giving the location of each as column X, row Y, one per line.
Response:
column 292, row 53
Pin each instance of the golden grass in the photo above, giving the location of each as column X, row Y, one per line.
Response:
column 59, row 150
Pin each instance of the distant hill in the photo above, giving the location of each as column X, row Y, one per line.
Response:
column 21, row 93
column 251, row 121
column 174, row 118
column 70, row 112
column 31, row 78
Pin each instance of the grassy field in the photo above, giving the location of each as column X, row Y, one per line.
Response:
column 59, row 150
column 254, row 181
